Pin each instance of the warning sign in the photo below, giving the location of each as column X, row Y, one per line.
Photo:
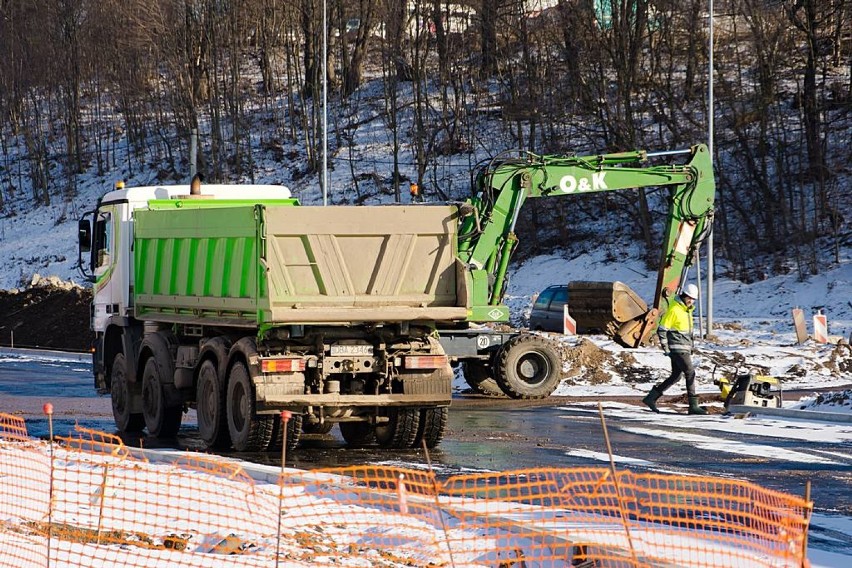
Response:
column 799, row 323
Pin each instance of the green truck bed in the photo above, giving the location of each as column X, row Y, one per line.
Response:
column 248, row 264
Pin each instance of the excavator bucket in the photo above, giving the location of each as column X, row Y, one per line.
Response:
column 612, row 308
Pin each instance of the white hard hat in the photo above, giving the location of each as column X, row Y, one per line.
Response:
column 690, row 290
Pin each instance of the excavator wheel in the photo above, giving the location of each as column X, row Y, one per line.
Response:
column 528, row 366
column 480, row 377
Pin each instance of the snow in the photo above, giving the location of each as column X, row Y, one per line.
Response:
column 753, row 328
column 387, row 520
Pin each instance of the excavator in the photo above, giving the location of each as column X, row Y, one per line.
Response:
column 523, row 365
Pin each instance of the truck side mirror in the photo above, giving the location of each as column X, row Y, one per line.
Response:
column 84, row 235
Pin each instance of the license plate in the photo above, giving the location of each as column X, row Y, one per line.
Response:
column 345, row 349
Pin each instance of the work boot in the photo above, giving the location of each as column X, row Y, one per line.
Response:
column 650, row 399
column 694, row 408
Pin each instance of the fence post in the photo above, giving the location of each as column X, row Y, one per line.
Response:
column 285, row 419
column 48, row 410
column 103, row 499
column 617, row 488
column 808, row 510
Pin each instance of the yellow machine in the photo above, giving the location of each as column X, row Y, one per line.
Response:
column 750, row 389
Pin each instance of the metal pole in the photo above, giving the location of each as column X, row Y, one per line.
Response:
column 699, row 299
column 324, row 104
column 668, row 153
column 710, row 261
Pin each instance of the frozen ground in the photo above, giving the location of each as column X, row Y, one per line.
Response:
column 753, row 329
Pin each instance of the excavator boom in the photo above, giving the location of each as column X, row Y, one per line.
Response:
column 487, row 235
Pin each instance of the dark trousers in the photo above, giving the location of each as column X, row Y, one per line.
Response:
column 681, row 365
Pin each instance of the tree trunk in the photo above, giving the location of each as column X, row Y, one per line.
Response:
column 355, row 66
column 488, row 19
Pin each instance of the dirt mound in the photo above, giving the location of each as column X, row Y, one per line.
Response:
column 49, row 314
column 586, row 361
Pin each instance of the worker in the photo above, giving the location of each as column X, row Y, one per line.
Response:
column 675, row 333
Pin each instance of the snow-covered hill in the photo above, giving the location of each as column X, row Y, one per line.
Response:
column 43, row 241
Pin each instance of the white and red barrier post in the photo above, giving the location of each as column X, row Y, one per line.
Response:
column 569, row 326
column 820, row 328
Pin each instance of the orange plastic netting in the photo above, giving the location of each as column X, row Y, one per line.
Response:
column 88, row 500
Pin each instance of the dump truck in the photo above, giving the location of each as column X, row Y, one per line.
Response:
column 241, row 303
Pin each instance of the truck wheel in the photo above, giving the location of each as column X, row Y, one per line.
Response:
column 433, row 422
column 401, row 428
column 162, row 421
column 122, row 394
column 210, row 407
column 249, row 431
column 528, row 366
column 317, row 428
column 294, row 433
column 357, row 434
column 480, row 377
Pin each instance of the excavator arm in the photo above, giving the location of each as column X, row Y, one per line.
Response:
column 487, row 234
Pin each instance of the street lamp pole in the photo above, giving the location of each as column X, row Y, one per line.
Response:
column 711, row 113
column 325, row 103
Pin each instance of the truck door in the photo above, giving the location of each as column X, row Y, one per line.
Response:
column 107, row 288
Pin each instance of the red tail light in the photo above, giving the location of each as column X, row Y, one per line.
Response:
column 424, row 361
column 289, row 365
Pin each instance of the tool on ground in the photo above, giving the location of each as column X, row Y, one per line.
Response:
column 749, row 389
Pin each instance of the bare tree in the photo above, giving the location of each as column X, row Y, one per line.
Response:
column 807, row 17
column 488, row 37
column 353, row 59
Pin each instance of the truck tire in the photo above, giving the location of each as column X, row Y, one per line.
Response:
column 433, row 422
column 122, row 394
column 317, row 428
column 479, row 376
column 210, row 407
column 357, row 434
column 162, row 421
column 294, row 433
column 528, row 366
column 400, row 430
column 249, row 431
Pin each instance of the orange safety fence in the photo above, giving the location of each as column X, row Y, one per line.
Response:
column 87, row 500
